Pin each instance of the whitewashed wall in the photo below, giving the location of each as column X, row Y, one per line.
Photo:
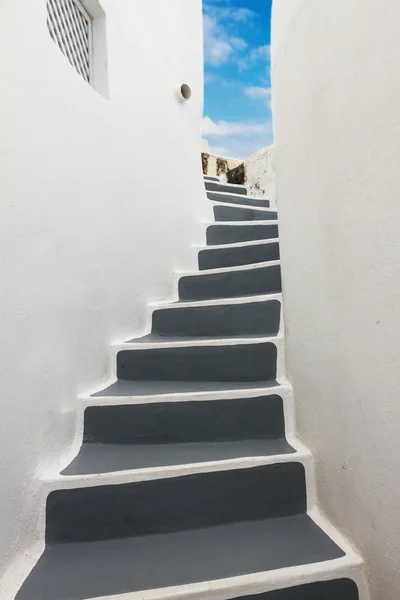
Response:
column 92, row 194
column 336, row 102
column 259, row 171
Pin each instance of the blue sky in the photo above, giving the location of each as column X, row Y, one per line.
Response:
column 237, row 113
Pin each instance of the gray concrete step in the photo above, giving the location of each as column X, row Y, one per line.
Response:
column 248, row 318
column 215, row 258
column 236, row 199
column 128, row 564
column 237, row 232
column 214, row 186
column 95, row 458
column 218, row 420
column 168, row 505
column 339, row 589
column 231, row 283
column 240, row 213
column 222, row 362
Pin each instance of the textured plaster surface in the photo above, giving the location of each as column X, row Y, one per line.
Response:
column 75, row 198
column 337, row 146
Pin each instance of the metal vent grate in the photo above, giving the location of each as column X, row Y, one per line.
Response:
column 70, row 26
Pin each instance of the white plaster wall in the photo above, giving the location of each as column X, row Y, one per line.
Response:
column 336, row 103
column 92, row 195
column 204, row 146
column 260, row 174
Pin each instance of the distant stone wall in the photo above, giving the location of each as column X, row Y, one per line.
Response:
column 217, row 165
column 257, row 173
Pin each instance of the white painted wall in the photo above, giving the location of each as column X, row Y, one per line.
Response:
column 204, row 146
column 259, row 171
column 92, row 194
column 336, row 102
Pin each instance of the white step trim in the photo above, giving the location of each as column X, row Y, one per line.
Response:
column 197, row 342
column 246, row 206
column 349, row 566
column 196, row 396
column 250, row 267
column 263, row 242
column 240, row 223
column 216, row 302
column 66, row 482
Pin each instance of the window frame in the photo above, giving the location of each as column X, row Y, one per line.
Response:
column 59, row 19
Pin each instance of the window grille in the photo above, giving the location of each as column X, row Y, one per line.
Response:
column 70, row 26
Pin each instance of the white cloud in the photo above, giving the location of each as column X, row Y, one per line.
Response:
column 209, row 77
column 257, row 92
column 218, row 151
column 238, row 43
column 257, row 54
column 240, row 15
column 219, row 52
column 229, row 13
column 219, row 46
column 260, row 53
column 226, row 128
column 239, row 139
column 216, row 49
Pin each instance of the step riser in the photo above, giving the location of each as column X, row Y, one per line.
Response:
column 186, row 422
column 236, row 213
column 227, row 234
column 177, row 504
column 210, row 178
column 212, row 186
column 340, row 589
column 243, row 200
column 221, row 320
column 245, row 362
column 234, row 257
column 232, row 284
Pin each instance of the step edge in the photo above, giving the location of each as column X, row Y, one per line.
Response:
column 90, row 399
column 233, row 186
column 57, row 481
column 254, row 583
column 260, row 209
column 234, row 194
column 249, row 267
column 349, row 566
column 262, row 242
column 239, row 223
column 237, row 199
column 217, row 301
column 196, row 342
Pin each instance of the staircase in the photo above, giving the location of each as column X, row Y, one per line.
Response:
column 190, row 482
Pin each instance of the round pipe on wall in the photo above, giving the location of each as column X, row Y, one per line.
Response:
column 186, row 91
